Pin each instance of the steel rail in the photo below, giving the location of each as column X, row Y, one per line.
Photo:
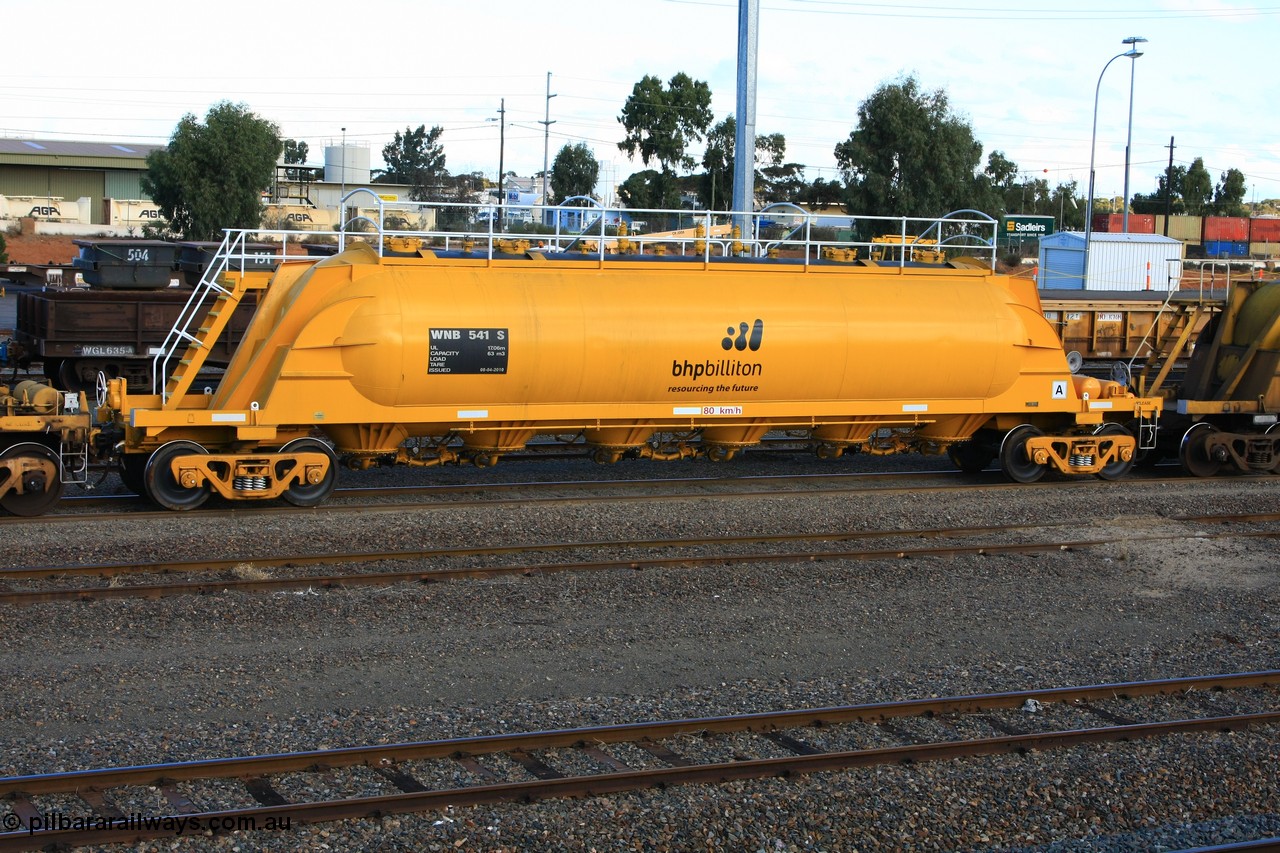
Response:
column 1268, row 844
column 807, row 759
column 364, row 579
column 774, row 492
column 204, row 565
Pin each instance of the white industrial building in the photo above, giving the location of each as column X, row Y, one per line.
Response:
column 1123, row 262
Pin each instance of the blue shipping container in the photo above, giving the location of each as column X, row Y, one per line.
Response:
column 1226, row 249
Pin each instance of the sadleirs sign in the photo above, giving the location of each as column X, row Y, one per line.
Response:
column 1023, row 227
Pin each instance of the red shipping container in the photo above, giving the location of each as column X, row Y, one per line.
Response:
column 1264, row 229
column 1107, row 223
column 1226, row 228
column 1113, row 223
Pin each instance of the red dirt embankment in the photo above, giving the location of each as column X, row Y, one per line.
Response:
column 40, row 249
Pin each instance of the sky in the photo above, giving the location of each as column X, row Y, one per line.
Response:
column 1024, row 75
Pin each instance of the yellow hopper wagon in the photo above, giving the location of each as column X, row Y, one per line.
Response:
column 463, row 352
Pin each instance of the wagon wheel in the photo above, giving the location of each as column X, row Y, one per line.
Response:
column 969, row 456
column 1120, row 373
column 1119, row 468
column 1193, row 451
column 52, row 370
column 41, row 483
column 310, row 494
column 69, row 376
column 1013, row 455
column 160, row 484
column 1271, row 430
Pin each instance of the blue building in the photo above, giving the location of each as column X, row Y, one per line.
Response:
column 1116, row 262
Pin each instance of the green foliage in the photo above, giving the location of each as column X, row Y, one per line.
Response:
column 1002, row 171
column 1000, row 189
column 661, row 122
column 295, row 152
column 823, row 192
column 650, row 189
column 1063, row 205
column 1197, row 189
column 1195, row 194
column 909, row 156
column 774, row 179
column 574, row 172
column 4, row 253
column 416, row 158
column 212, row 175
column 1228, row 195
column 715, row 185
column 1160, row 201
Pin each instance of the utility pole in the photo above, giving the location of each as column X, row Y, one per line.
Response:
column 546, row 141
column 502, row 147
column 1168, row 189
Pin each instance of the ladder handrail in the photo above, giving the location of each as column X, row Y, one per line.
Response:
column 192, row 312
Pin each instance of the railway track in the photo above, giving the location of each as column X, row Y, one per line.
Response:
column 434, row 496
column 257, row 792
column 361, row 568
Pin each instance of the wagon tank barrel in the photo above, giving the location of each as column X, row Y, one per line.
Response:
column 690, row 342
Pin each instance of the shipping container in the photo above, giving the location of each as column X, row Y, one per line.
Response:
column 1226, row 249
column 1113, row 223
column 1264, row 229
column 1265, row 250
column 1185, row 228
column 1226, row 228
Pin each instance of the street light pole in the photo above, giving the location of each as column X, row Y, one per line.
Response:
column 1133, row 42
column 342, row 194
column 1093, row 146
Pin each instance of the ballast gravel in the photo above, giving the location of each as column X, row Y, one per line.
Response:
column 125, row 682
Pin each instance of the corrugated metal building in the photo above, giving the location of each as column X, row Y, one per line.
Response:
column 1116, row 262
column 72, row 170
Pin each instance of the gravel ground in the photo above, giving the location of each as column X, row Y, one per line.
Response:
column 132, row 682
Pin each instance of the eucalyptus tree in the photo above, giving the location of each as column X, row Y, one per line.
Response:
column 212, row 175
column 662, row 121
column 574, row 172
column 416, row 157
column 909, row 155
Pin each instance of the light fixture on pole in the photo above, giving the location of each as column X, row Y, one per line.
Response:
column 1132, row 53
column 1133, row 42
